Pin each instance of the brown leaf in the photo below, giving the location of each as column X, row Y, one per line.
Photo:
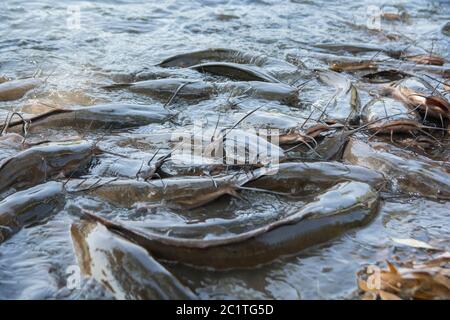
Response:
column 362, row 285
column 369, row 296
column 384, row 295
column 392, row 268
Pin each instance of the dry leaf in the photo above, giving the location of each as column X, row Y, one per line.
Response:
column 384, row 295
column 392, row 268
column 428, row 281
column 369, row 296
column 362, row 284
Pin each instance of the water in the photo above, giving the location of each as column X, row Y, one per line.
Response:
column 43, row 37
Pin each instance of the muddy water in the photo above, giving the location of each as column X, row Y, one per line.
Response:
column 122, row 37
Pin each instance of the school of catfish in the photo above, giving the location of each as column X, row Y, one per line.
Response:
column 383, row 132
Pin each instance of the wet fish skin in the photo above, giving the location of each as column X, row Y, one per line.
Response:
column 261, row 89
column 11, row 140
column 179, row 192
column 191, row 89
column 345, row 99
column 117, row 115
column 174, row 169
column 281, row 68
column 30, row 206
column 101, row 116
column 308, row 177
column 16, row 89
column 345, row 206
column 408, row 175
column 235, row 71
column 37, row 164
column 189, row 59
column 123, row 267
column 166, row 88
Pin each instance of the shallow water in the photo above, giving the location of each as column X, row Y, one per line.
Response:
column 37, row 37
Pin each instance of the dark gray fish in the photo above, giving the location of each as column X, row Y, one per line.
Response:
column 37, row 164
column 179, row 192
column 259, row 89
column 166, row 88
column 25, row 208
column 124, row 268
column 270, row 120
column 174, row 169
column 280, row 68
column 102, row 116
column 10, row 144
column 407, row 172
column 346, row 206
column 198, row 89
column 300, row 178
column 189, row 59
column 235, row 71
column 16, row 89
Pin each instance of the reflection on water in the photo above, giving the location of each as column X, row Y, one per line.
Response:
column 78, row 54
